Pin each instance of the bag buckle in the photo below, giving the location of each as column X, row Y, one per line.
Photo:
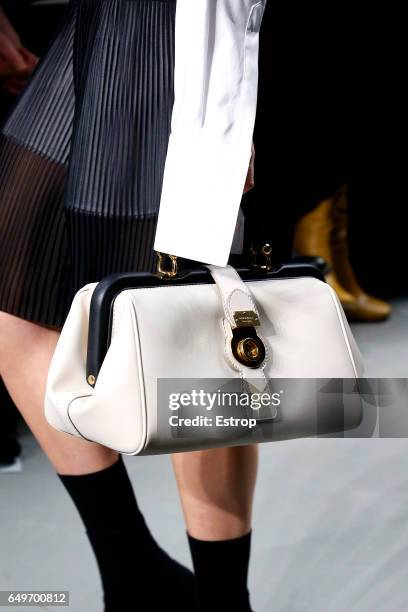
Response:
column 247, row 347
column 162, row 271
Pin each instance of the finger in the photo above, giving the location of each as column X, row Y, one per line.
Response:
column 31, row 59
column 13, row 91
column 250, row 178
column 16, row 82
column 13, row 87
column 249, row 184
column 8, row 30
column 10, row 55
column 5, row 70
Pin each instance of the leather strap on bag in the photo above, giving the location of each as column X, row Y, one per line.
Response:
column 239, row 307
column 244, row 348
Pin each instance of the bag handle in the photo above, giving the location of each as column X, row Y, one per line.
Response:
column 260, row 246
column 256, row 229
column 106, row 291
column 256, row 225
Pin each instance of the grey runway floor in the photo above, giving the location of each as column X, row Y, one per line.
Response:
column 330, row 524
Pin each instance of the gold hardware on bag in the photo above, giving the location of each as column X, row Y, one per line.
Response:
column 249, row 350
column 246, row 318
column 247, row 347
column 91, row 380
column 162, row 272
column 265, row 252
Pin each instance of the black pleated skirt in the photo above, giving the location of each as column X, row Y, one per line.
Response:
column 82, row 156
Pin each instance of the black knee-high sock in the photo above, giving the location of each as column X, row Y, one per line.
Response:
column 221, row 570
column 136, row 573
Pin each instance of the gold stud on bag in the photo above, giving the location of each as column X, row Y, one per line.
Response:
column 91, row 380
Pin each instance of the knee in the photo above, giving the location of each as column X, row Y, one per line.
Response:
column 12, row 328
column 17, row 335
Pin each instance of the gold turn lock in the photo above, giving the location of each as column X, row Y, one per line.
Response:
column 249, row 351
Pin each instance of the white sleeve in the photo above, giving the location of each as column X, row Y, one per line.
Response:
column 216, row 79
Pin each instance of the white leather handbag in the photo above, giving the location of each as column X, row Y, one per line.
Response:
column 151, row 364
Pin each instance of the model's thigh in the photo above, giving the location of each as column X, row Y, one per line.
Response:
column 26, row 350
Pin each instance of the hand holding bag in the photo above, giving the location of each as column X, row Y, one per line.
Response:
column 132, row 340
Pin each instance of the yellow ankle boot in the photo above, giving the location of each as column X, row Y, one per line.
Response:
column 324, row 232
column 313, row 237
column 365, row 307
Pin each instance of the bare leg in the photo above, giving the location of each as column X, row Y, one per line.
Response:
column 216, row 489
column 97, row 483
column 26, row 350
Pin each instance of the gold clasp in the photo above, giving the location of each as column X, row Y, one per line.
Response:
column 265, row 251
column 163, row 272
column 247, row 347
column 250, row 352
